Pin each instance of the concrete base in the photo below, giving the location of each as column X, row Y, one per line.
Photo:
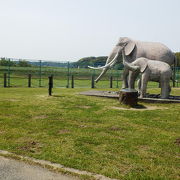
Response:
column 113, row 94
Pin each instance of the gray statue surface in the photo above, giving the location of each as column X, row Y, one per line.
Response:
column 135, row 49
column 151, row 70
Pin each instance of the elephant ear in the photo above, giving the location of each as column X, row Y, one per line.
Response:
column 143, row 65
column 129, row 47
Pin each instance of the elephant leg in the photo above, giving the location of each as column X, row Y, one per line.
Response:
column 169, row 87
column 139, row 85
column 159, row 84
column 165, row 84
column 165, row 89
column 132, row 78
column 144, row 81
column 125, row 78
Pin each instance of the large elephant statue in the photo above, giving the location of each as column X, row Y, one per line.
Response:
column 135, row 49
column 151, row 70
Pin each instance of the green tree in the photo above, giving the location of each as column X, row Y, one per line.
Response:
column 7, row 62
column 178, row 58
column 23, row 63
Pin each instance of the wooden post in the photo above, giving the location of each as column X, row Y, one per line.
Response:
column 174, row 75
column 40, row 72
column 29, row 80
column 52, row 81
column 5, row 80
column 128, row 97
column 50, row 85
column 68, row 75
column 92, row 82
column 111, row 82
column 72, row 81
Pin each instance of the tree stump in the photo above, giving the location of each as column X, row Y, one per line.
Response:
column 128, row 97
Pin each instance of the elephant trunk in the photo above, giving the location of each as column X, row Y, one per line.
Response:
column 127, row 65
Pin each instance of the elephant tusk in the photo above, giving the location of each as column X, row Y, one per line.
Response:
column 107, row 65
column 102, row 73
column 95, row 67
column 104, row 70
column 102, row 67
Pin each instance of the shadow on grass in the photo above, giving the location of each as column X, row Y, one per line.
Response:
column 57, row 96
column 139, row 106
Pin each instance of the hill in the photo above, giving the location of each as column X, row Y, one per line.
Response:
column 91, row 61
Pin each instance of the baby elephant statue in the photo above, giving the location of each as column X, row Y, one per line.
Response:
column 151, row 71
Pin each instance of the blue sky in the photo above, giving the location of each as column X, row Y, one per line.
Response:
column 64, row 30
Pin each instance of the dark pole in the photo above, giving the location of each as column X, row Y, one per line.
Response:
column 92, row 82
column 72, row 81
column 40, row 70
column 111, row 82
column 29, row 80
column 68, row 76
column 52, row 80
column 50, row 85
column 9, row 73
column 174, row 75
column 117, row 80
column 5, row 80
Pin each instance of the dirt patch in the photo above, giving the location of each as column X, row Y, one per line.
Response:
column 2, row 132
column 84, row 107
column 115, row 128
column 177, row 141
column 83, row 126
column 64, row 131
column 143, row 147
column 12, row 100
column 145, row 108
column 40, row 117
column 43, row 96
column 31, row 146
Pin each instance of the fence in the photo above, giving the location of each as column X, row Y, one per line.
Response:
column 65, row 74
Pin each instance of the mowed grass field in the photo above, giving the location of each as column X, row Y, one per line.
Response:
column 91, row 133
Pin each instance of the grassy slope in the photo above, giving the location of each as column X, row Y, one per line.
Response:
column 88, row 134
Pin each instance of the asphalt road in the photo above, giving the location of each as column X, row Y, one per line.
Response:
column 16, row 170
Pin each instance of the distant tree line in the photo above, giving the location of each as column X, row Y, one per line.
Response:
column 178, row 58
column 8, row 62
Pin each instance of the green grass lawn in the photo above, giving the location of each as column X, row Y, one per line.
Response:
column 91, row 133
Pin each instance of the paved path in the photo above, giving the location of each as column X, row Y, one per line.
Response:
column 16, row 170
